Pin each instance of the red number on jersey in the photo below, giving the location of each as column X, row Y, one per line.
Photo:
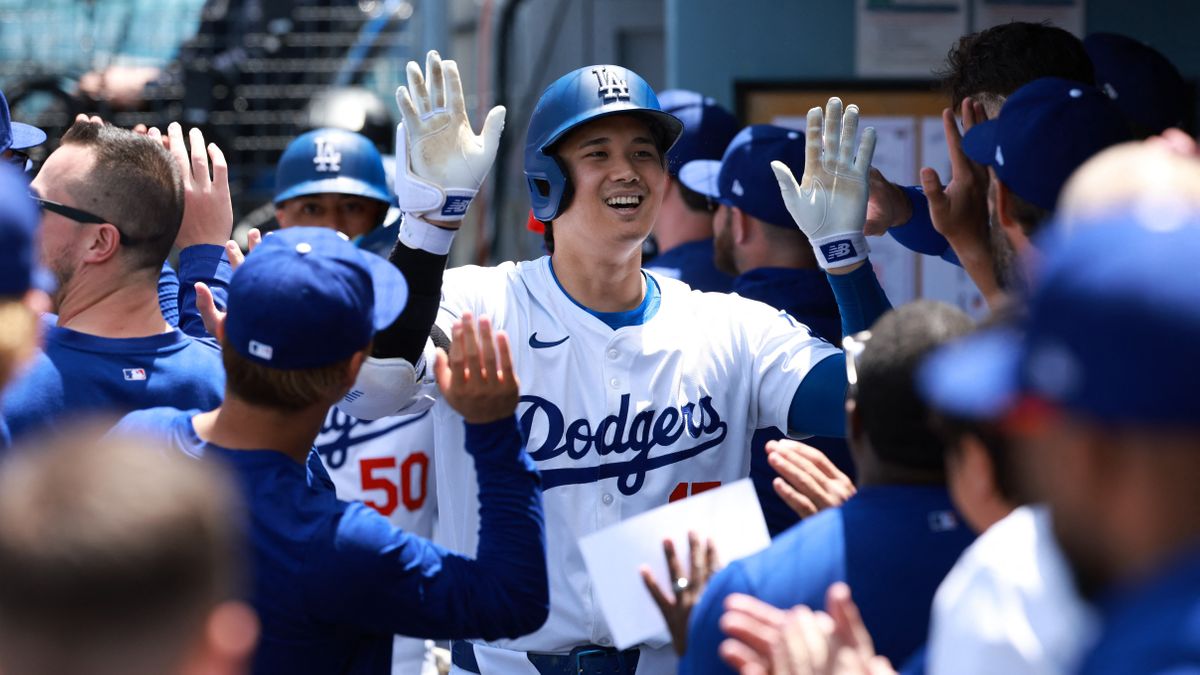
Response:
column 688, row 489
column 408, row 485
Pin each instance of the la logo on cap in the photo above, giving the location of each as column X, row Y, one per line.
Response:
column 327, row 158
column 612, row 87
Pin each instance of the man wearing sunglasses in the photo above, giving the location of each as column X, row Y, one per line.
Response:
column 112, row 204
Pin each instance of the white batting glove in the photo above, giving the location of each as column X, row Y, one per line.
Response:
column 441, row 162
column 830, row 203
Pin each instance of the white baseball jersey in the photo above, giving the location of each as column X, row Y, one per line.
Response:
column 619, row 421
column 388, row 465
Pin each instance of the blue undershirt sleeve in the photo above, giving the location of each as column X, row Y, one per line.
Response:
column 819, row 404
column 860, row 298
column 207, row 263
column 168, row 294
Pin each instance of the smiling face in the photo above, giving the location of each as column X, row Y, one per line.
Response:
column 619, row 180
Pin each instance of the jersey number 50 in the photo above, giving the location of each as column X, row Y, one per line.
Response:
column 407, row 485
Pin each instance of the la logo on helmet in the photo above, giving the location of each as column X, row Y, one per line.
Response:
column 612, row 87
column 327, row 158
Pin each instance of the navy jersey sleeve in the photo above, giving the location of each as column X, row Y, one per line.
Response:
column 168, row 294
column 207, row 263
column 704, row 631
column 918, row 234
column 394, row 582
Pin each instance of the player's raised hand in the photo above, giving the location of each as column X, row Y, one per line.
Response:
column 808, row 482
column 477, row 377
column 207, row 206
column 687, row 588
column 441, row 160
column 959, row 211
column 830, row 202
column 206, row 304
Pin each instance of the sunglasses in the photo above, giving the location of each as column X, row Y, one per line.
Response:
column 78, row 215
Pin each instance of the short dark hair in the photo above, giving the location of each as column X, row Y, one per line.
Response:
column 953, row 429
column 136, row 185
column 894, row 417
column 280, row 389
column 1004, row 58
column 113, row 554
column 695, row 201
column 1031, row 217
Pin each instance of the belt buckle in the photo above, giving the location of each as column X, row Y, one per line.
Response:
column 610, row 661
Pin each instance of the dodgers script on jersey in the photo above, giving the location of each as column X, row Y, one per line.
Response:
column 618, row 421
column 388, row 465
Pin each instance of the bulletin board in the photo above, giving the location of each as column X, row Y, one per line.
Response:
column 907, row 117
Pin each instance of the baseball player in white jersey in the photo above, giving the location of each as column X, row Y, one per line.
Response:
column 636, row 390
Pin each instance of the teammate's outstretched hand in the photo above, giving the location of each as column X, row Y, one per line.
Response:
column 959, row 211
column 687, row 589
column 206, row 304
column 477, row 377
column 830, row 202
column 207, row 206
column 808, row 482
column 887, row 205
column 441, row 162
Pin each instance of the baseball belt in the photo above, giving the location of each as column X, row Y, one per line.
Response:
column 583, row 660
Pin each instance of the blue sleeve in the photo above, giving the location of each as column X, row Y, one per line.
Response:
column 704, row 630
column 918, row 234
column 819, row 404
column 915, row 665
column 207, row 263
column 860, row 298
column 390, row 581
column 168, row 294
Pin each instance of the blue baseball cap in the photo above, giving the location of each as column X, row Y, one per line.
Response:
column 306, row 298
column 707, row 127
column 743, row 178
column 15, row 135
column 1142, row 82
column 19, row 219
column 1045, row 131
column 1112, row 332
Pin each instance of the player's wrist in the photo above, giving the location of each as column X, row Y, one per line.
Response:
column 841, row 252
column 432, row 237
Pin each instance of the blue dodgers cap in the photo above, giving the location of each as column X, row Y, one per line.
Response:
column 707, row 127
column 743, row 178
column 306, row 298
column 1045, row 131
column 19, row 218
column 1113, row 330
column 1146, row 86
column 15, row 135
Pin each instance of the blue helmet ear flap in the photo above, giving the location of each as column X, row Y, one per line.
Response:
column 550, row 189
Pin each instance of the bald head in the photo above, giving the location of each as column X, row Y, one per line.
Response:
column 1129, row 174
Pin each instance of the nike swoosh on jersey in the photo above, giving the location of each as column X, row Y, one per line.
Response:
column 538, row 344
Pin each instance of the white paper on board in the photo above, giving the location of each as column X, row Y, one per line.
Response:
column 729, row 515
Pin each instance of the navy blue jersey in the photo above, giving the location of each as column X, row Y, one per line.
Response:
column 893, row 544
column 332, row 581
column 692, row 263
column 78, row 375
column 1152, row 628
column 807, row 297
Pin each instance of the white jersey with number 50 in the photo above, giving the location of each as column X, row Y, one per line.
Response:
column 388, row 465
column 618, row 421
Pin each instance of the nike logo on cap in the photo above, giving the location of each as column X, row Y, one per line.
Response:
column 538, row 344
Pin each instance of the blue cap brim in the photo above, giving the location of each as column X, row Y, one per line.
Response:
column 980, row 143
column 700, row 175
column 974, row 378
column 26, row 136
column 341, row 185
column 391, row 290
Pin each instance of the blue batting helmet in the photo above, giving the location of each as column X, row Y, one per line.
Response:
column 331, row 161
column 574, row 99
